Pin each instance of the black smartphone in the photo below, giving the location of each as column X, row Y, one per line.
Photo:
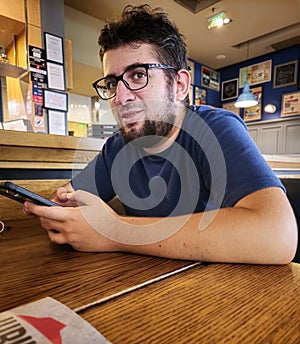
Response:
column 21, row 195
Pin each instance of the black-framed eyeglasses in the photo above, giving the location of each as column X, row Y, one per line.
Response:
column 135, row 77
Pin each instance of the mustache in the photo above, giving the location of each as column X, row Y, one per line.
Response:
column 148, row 106
column 129, row 107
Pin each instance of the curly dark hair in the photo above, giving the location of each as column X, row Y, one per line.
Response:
column 142, row 24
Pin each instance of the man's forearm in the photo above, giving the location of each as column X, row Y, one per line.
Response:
column 261, row 234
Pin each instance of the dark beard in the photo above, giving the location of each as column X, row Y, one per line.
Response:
column 151, row 133
column 153, row 130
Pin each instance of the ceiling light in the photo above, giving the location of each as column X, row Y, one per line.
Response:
column 218, row 20
column 246, row 98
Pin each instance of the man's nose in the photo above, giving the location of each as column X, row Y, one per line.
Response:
column 123, row 94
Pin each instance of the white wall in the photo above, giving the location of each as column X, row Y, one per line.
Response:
column 83, row 30
column 79, row 109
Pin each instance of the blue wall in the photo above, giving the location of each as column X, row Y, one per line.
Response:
column 270, row 94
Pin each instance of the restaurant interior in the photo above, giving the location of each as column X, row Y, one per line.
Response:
column 52, row 123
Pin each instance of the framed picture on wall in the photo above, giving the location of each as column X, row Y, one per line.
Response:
column 253, row 113
column 244, row 75
column 56, row 76
column 200, row 95
column 55, row 100
column 290, row 105
column 255, row 74
column 229, row 89
column 191, row 94
column 230, row 107
column 54, row 48
column 285, row 74
column 210, row 78
column 57, row 122
column 191, row 68
column 261, row 72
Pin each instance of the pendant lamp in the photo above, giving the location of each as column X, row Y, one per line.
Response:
column 246, row 98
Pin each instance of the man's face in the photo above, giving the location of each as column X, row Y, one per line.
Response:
column 146, row 112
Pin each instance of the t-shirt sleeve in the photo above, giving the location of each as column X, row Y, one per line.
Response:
column 95, row 177
column 246, row 169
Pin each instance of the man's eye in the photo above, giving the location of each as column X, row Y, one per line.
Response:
column 110, row 84
column 138, row 74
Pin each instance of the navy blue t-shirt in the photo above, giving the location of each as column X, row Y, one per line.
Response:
column 213, row 163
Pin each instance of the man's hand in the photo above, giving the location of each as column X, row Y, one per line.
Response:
column 78, row 225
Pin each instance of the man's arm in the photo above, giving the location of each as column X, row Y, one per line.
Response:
column 259, row 229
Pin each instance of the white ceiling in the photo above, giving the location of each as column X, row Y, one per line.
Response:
column 262, row 23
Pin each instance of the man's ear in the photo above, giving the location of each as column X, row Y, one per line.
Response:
column 183, row 84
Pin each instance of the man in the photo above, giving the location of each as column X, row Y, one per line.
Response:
column 192, row 182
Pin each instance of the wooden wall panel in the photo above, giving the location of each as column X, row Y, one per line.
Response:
column 34, row 36
column 33, row 12
column 13, row 9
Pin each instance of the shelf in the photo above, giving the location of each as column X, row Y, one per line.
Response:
column 10, row 70
column 10, row 28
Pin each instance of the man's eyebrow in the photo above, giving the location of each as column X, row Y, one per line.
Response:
column 134, row 65
column 112, row 75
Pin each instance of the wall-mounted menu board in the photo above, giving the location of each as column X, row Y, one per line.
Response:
column 285, row 74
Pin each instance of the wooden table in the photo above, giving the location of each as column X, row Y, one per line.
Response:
column 32, row 267
column 217, row 303
column 139, row 299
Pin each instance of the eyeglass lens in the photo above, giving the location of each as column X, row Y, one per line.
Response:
column 134, row 79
